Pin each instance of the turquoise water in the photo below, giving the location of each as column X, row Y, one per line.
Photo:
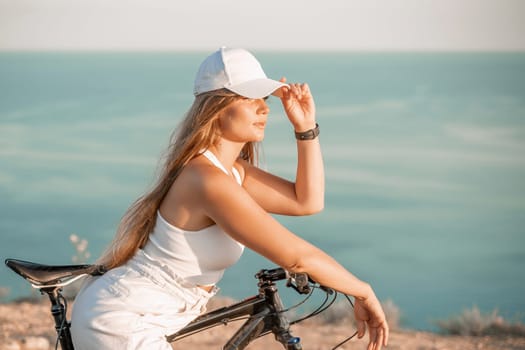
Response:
column 424, row 158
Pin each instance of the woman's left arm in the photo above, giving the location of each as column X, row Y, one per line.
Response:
column 305, row 196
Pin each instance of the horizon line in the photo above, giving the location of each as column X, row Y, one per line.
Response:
column 269, row 50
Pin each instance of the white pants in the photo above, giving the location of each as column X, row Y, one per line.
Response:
column 134, row 306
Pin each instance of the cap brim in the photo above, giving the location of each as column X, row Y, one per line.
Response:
column 258, row 88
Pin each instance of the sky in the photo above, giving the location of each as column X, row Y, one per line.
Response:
column 436, row 25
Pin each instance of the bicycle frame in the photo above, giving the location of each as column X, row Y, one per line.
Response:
column 264, row 311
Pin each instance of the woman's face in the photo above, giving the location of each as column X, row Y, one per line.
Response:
column 244, row 120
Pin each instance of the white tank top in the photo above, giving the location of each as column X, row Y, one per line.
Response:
column 199, row 257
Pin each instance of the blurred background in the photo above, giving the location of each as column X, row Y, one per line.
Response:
column 422, row 112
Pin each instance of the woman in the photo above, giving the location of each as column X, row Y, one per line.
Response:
column 174, row 243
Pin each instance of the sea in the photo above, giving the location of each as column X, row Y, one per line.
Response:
column 424, row 156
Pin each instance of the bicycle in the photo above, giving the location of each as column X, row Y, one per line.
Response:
column 264, row 312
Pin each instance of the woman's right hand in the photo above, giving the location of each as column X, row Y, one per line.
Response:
column 368, row 312
column 298, row 104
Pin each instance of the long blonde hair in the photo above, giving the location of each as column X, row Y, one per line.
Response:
column 199, row 130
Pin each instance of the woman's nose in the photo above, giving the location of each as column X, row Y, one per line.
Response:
column 263, row 107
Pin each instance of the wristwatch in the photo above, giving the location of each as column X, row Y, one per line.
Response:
column 308, row 134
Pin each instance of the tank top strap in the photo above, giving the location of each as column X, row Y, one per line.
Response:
column 215, row 161
column 237, row 175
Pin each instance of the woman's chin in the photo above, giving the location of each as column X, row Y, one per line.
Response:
column 258, row 136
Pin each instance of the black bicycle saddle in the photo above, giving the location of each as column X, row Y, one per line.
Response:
column 51, row 274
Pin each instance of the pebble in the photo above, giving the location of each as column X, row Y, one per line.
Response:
column 10, row 345
column 27, row 343
column 35, row 343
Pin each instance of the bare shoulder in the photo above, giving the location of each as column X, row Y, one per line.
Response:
column 201, row 177
column 198, row 186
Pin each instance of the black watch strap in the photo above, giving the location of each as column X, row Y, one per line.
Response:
column 308, row 134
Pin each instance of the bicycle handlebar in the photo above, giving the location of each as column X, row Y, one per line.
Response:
column 271, row 275
column 298, row 281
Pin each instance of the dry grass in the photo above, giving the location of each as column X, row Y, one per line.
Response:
column 473, row 322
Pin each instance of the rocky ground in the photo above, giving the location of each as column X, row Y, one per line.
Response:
column 28, row 326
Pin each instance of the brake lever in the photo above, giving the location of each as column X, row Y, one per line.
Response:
column 300, row 282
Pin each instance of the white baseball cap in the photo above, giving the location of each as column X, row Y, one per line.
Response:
column 236, row 70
